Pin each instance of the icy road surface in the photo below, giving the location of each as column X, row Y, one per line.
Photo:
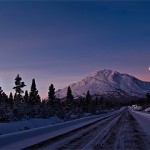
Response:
column 126, row 130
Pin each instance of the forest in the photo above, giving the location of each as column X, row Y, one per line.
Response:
column 26, row 105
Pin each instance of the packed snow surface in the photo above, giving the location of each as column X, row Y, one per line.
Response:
column 27, row 138
column 122, row 129
column 108, row 81
column 143, row 119
column 126, row 130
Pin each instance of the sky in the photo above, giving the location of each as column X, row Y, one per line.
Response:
column 61, row 42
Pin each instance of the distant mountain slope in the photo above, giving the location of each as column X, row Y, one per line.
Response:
column 108, row 82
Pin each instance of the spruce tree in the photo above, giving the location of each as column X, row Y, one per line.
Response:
column 51, row 93
column 88, row 97
column 33, row 96
column 11, row 99
column 34, row 101
column 26, row 97
column 18, row 109
column 19, row 85
column 4, row 106
column 51, row 104
column 88, row 102
column 1, row 91
column 69, row 95
column 69, row 104
column 5, row 98
column 11, row 96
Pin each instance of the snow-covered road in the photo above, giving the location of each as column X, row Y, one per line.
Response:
column 124, row 133
column 23, row 139
column 122, row 130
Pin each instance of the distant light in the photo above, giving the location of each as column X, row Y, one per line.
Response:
column 149, row 68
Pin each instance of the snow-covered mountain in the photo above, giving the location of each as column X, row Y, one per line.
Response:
column 110, row 83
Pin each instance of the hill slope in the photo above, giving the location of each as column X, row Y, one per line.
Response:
column 108, row 82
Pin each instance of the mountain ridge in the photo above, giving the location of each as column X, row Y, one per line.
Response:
column 108, row 82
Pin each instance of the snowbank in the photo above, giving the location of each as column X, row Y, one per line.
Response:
column 136, row 107
column 147, row 109
column 6, row 128
column 143, row 119
column 27, row 138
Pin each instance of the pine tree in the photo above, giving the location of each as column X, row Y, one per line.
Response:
column 18, row 108
column 1, row 91
column 5, row 98
column 51, row 93
column 19, row 85
column 69, row 95
column 69, row 104
column 26, row 98
column 11, row 99
column 4, row 106
column 51, row 104
column 11, row 96
column 34, row 101
column 88, row 99
column 33, row 96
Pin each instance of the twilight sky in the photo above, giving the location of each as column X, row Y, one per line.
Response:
column 62, row 42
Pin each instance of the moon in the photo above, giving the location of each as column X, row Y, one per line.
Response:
column 149, row 68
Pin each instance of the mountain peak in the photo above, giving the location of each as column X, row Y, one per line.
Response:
column 107, row 81
column 104, row 72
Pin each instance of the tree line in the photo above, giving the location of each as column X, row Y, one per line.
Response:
column 26, row 105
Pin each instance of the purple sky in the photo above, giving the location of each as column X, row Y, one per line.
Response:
column 62, row 42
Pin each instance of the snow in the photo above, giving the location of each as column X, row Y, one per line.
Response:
column 6, row 128
column 121, row 131
column 143, row 119
column 119, row 125
column 136, row 107
column 129, row 131
column 93, row 141
column 147, row 109
column 107, row 81
column 27, row 138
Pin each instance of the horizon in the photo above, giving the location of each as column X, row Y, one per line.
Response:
column 62, row 42
column 45, row 96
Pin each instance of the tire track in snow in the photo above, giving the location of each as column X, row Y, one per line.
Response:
column 123, row 134
column 71, row 139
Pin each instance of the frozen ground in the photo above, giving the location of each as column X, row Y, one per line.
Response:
column 30, row 137
column 127, row 130
column 124, row 129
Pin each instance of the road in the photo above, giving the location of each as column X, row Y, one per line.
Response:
column 118, row 131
